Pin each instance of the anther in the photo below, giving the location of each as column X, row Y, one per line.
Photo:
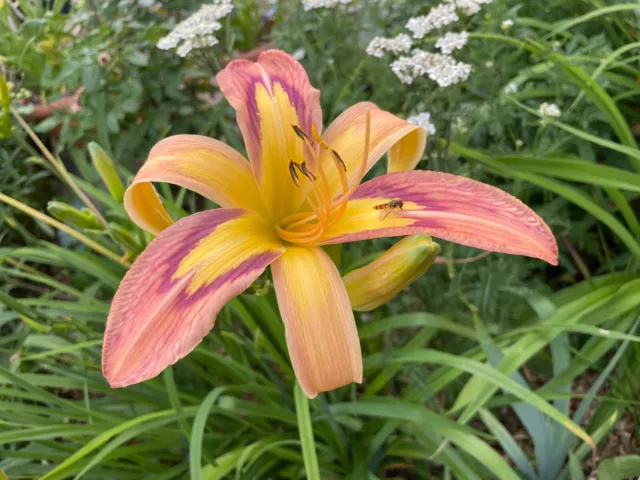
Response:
column 293, row 173
column 306, row 172
column 339, row 160
column 301, row 134
column 318, row 138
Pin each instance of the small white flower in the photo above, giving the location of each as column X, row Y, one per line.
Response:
column 548, row 110
column 404, row 68
column 489, row 64
column 299, row 53
column 312, row 4
column 398, row 44
column 556, row 45
column 507, row 24
column 511, row 88
column 519, row 144
column 197, row 30
column 423, row 120
column 438, row 17
column 469, row 7
column 442, row 69
column 452, row 41
column 459, row 126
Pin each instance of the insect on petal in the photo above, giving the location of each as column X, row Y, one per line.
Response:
column 446, row 206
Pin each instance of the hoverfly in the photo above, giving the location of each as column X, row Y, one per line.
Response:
column 388, row 207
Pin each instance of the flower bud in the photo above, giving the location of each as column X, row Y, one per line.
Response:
column 379, row 281
column 107, row 171
column 84, row 219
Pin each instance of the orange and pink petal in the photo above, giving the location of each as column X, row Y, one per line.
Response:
column 445, row 206
column 203, row 165
column 269, row 96
column 404, row 141
column 319, row 324
column 169, row 299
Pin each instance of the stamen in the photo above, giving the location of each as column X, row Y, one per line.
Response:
column 293, row 173
column 319, row 212
column 363, row 166
column 301, row 134
column 300, row 228
column 306, row 172
column 342, row 171
column 340, row 161
column 365, row 154
column 318, row 138
column 323, row 178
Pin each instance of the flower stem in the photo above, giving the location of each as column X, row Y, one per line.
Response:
column 65, row 228
column 59, row 166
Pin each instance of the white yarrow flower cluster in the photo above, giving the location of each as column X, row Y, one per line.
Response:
column 442, row 69
column 398, row 44
column 452, row 41
column 511, row 88
column 507, row 24
column 197, row 30
column 549, row 110
column 311, row 4
column 469, row 7
column 438, row 17
column 423, row 120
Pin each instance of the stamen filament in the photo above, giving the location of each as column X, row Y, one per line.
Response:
column 323, row 178
column 298, row 228
column 341, row 172
column 318, row 138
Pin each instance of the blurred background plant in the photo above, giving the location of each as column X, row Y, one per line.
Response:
column 487, row 367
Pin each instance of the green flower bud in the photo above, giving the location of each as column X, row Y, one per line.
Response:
column 381, row 280
column 84, row 219
column 107, row 171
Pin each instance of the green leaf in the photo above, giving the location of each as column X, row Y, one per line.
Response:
column 305, row 427
column 197, row 433
column 486, row 372
column 619, row 468
column 460, row 435
column 508, row 443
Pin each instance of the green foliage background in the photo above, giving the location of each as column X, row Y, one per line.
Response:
column 504, row 367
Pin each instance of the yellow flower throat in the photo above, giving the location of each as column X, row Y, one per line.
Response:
column 307, row 227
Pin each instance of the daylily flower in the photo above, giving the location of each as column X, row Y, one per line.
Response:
column 299, row 190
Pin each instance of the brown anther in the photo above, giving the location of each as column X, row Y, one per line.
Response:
column 301, row 134
column 293, row 173
column 339, row 160
column 307, row 173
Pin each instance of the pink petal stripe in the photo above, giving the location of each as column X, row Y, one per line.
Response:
column 238, row 83
column 154, row 320
column 449, row 207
